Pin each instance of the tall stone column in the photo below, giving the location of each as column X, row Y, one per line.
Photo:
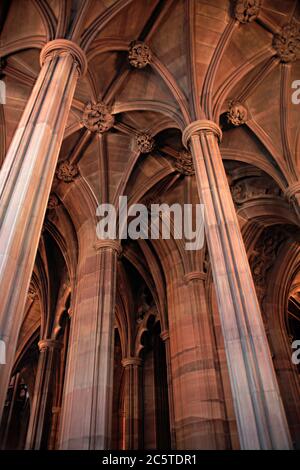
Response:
column 165, row 336
column 87, row 402
column 25, row 182
column 133, row 405
column 258, row 406
column 42, row 392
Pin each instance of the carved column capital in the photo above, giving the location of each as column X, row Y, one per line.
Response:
column 45, row 344
column 200, row 125
column 64, row 46
column 131, row 361
column 112, row 244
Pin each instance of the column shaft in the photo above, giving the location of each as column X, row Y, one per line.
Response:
column 25, row 182
column 87, row 402
column 133, row 405
column 259, row 411
column 42, row 393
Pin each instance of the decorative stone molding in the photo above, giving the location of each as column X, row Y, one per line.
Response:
column 237, row 113
column 111, row 244
column 246, row 11
column 67, row 171
column 144, row 142
column 131, row 361
column 53, row 202
column 46, row 344
column 287, row 42
column 62, row 47
column 97, row 117
column 198, row 126
column 139, row 54
column 184, row 164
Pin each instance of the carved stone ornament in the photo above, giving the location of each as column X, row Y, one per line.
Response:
column 253, row 188
column 139, row 54
column 67, row 171
column 246, row 11
column 97, row 117
column 287, row 43
column 237, row 113
column 2, row 67
column 184, row 164
column 53, row 202
column 144, row 142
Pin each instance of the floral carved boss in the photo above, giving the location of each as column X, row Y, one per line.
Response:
column 97, row 117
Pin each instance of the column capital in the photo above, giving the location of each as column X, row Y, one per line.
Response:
column 64, row 46
column 200, row 125
column 100, row 244
column 165, row 335
column 131, row 361
column 45, row 344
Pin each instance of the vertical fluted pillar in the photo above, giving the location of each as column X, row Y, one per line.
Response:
column 258, row 406
column 165, row 336
column 133, row 405
column 87, row 403
column 42, row 392
column 25, row 182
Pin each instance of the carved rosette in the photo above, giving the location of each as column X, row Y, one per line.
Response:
column 247, row 11
column 139, row 54
column 67, row 171
column 184, row 164
column 53, row 202
column 144, row 142
column 287, row 43
column 237, row 113
column 97, row 117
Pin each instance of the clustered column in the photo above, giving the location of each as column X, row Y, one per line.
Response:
column 25, row 183
column 133, row 404
column 87, row 406
column 258, row 406
column 42, row 391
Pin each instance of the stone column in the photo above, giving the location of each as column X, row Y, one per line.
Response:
column 25, row 182
column 42, row 393
column 87, row 402
column 133, row 404
column 259, row 410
